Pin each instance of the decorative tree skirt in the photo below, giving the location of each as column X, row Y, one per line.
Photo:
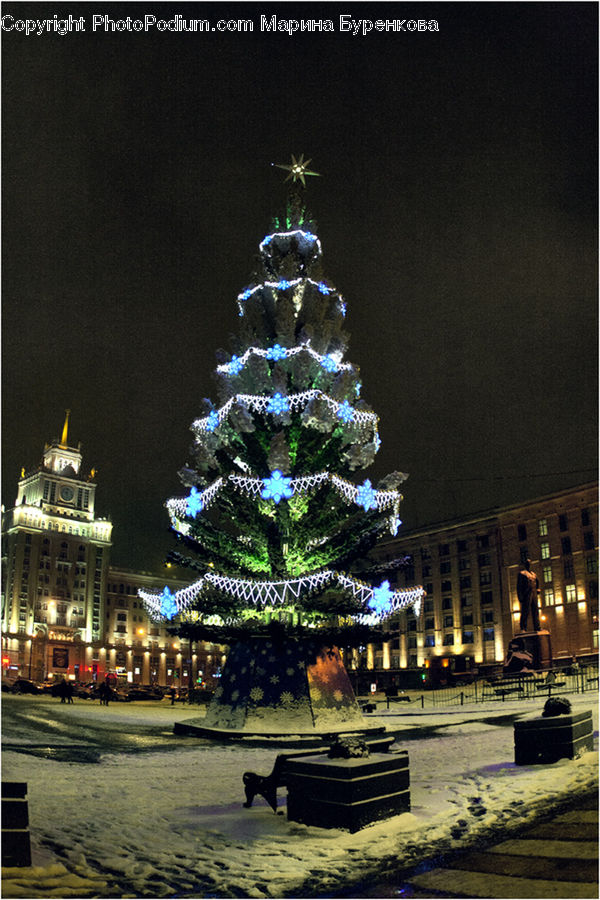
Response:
column 290, row 687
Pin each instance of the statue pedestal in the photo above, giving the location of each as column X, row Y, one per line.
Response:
column 529, row 651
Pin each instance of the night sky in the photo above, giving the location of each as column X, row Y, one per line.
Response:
column 457, row 209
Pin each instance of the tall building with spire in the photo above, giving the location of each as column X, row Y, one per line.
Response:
column 57, row 560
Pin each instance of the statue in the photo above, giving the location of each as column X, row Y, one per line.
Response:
column 528, row 588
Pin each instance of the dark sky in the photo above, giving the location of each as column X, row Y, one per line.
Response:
column 457, row 212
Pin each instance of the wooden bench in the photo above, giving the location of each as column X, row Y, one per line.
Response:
column 398, row 698
column 266, row 785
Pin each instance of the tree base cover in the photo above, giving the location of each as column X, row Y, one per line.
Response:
column 290, row 686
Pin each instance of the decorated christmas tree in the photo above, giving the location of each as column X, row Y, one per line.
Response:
column 274, row 520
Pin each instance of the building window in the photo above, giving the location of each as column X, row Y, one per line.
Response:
column 121, row 617
column 445, row 567
column 588, row 540
column 467, row 619
column 570, row 593
column 522, row 532
column 430, row 640
column 462, row 546
column 563, row 522
column 585, row 517
column 487, row 597
column 524, row 554
column 425, row 554
column 483, row 541
column 568, row 570
column 412, row 625
column 447, row 603
column 444, row 549
column 446, row 586
column 545, row 550
column 593, row 590
column 485, row 559
column 412, row 643
column 488, row 634
column 485, row 578
column 429, row 624
column 566, row 546
column 464, row 564
column 429, row 588
column 448, row 640
column 549, row 597
column 426, row 571
column 466, row 600
column 547, row 574
column 465, row 582
column 543, row 527
column 448, row 621
column 467, row 637
column 428, row 606
column 487, row 615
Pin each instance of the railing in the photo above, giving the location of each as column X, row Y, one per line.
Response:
column 570, row 680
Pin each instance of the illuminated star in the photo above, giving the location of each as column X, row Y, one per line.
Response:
column 298, row 169
column 382, row 597
column 276, row 487
column 365, row 496
column 194, row 504
column 168, row 607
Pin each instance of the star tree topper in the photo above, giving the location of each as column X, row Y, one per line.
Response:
column 298, row 169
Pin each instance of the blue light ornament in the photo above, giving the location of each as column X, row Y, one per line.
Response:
column 168, row 607
column 329, row 363
column 382, row 597
column 345, row 412
column 276, row 352
column 212, row 421
column 366, row 496
column 278, row 404
column 276, row 487
column 195, row 503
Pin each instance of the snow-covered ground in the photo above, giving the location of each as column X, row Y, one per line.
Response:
column 160, row 824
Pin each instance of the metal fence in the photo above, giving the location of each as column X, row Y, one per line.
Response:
column 570, row 680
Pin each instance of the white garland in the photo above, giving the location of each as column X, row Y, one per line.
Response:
column 259, row 403
column 285, row 593
column 235, row 366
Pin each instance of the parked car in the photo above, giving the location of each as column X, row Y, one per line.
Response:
column 46, row 687
column 25, row 686
column 144, row 692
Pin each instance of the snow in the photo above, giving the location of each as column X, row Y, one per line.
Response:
column 171, row 823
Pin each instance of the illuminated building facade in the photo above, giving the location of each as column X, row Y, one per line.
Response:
column 469, row 569
column 66, row 611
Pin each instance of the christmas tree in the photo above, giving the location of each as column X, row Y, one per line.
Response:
column 273, row 520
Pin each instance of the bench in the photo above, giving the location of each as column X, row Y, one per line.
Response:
column 367, row 706
column 397, row 699
column 266, row 785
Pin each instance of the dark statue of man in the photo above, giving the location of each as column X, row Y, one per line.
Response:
column 528, row 588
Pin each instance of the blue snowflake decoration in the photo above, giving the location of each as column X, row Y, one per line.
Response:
column 212, row 421
column 276, row 352
column 358, row 388
column 268, row 239
column 245, row 295
column 310, row 236
column 278, row 404
column 382, row 598
column 342, row 307
column 283, row 284
column 366, row 496
column 168, row 607
column 377, row 443
column 329, row 363
column 195, row 503
column 235, row 366
column 345, row 412
column 323, row 288
column 276, row 487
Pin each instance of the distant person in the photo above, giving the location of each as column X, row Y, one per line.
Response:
column 528, row 589
column 69, row 692
column 172, row 694
column 62, row 691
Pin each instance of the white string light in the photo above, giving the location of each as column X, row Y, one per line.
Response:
column 285, row 284
column 381, row 602
column 260, row 403
column 330, row 362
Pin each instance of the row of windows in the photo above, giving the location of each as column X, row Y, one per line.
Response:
column 563, row 525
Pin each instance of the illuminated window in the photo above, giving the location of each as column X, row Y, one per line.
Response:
column 430, row 640
column 547, row 573
column 488, row 634
column 549, row 597
column 595, row 639
column 543, row 527
column 545, row 550
column 570, row 593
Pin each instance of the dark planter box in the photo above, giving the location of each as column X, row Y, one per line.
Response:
column 348, row 793
column 546, row 740
column 16, row 844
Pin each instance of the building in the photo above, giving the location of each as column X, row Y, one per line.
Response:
column 66, row 611
column 469, row 569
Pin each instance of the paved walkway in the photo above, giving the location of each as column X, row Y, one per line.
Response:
column 556, row 858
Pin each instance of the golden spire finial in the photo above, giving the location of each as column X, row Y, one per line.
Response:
column 63, row 440
column 297, row 170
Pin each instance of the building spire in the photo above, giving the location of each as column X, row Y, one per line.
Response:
column 63, row 440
